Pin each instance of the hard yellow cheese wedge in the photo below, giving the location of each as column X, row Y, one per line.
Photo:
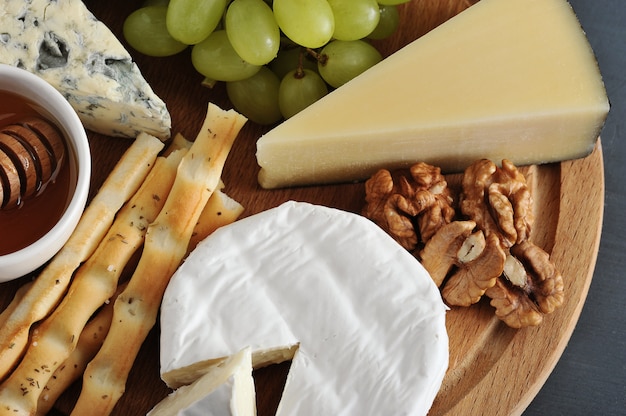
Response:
column 513, row 79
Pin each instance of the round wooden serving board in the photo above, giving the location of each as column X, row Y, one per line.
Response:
column 493, row 369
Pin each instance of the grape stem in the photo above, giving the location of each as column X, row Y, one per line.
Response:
column 322, row 58
column 299, row 74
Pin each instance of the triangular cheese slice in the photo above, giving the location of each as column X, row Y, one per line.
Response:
column 511, row 79
column 224, row 389
column 365, row 319
column 63, row 43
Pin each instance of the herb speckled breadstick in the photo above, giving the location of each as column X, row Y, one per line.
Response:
column 19, row 295
column 220, row 210
column 51, row 284
column 72, row 369
column 136, row 308
column 94, row 283
column 178, row 142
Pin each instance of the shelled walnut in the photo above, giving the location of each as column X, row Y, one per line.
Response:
column 500, row 202
column 483, row 248
column 530, row 287
column 498, row 199
column 410, row 208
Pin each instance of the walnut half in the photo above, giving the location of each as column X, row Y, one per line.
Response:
column 441, row 252
column 476, row 276
column 544, row 283
column 463, row 262
column 498, row 199
column 410, row 208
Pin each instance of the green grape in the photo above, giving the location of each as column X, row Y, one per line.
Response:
column 308, row 23
column 216, row 59
column 192, row 21
column 145, row 31
column 290, row 58
column 392, row 2
column 388, row 23
column 252, row 30
column 354, row 19
column 299, row 89
column 343, row 60
column 257, row 97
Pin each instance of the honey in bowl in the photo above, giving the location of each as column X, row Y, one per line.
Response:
column 32, row 204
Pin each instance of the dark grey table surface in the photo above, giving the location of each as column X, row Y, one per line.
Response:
column 590, row 378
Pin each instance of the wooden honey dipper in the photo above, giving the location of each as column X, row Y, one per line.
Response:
column 31, row 153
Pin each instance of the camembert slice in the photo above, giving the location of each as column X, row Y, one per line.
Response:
column 359, row 316
column 63, row 43
column 513, row 79
column 226, row 388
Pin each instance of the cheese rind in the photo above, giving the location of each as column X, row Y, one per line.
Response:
column 367, row 321
column 63, row 43
column 512, row 79
column 226, row 388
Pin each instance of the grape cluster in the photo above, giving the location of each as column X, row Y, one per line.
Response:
column 275, row 56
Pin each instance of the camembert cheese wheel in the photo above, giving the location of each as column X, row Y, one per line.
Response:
column 359, row 316
column 504, row 79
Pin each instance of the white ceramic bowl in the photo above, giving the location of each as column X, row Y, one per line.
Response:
column 33, row 88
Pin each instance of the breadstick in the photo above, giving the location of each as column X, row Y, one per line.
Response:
column 94, row 283
column 72, row 369
column 52, row 283
column 19, row 295
column 178, row 142
column 136, row 308
column 220, row 210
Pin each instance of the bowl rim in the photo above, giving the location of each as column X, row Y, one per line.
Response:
column 34, row 88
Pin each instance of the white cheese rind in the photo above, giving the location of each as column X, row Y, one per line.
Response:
column 367, row 317
column 513, row 79
column 63, row 43
column 224, row 389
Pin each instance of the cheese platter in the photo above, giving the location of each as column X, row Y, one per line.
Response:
column 491, row 365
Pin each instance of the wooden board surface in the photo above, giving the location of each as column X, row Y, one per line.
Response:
column 493, row 369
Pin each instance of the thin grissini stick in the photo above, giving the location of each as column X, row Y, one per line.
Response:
column 178, row 142
column 50, row 286
column 95, row 282
column 89, row 343
column 220, row 210
column 19, row 295
column 136, row 308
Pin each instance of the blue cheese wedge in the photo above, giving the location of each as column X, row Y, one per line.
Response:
column 63, row 43
column 360, row 318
